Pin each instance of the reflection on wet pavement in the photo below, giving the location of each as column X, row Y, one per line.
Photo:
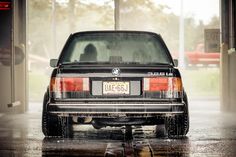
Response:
column 211, row 134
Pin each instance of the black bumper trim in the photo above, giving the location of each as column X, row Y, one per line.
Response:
column 116, row 108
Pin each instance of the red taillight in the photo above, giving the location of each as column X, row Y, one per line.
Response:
column 69, row 84
column 156, row 84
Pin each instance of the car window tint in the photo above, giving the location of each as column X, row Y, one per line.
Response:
column 119, row 48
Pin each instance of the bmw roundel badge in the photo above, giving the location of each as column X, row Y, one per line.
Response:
column 116, row 71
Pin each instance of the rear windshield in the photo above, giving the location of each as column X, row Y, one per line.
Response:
column 121, row 48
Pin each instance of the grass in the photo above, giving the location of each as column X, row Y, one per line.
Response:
column 38, row 83
column 202, row 83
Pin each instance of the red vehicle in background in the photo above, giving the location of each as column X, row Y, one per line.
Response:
column 200, row 57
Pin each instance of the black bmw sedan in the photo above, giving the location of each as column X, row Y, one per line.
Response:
column 115, row 78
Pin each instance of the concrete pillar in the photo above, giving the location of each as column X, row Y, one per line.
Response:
column 6, row 20
column 72, row 16
column 232, row 55
column 224, row 77
column 228, row 56
column 117, row 14
column 13, row 57
column 19, row 44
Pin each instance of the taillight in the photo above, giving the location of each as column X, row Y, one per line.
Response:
column 69, row 84
column 165, row 84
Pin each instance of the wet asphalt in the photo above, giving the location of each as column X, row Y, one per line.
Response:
column 212, row 133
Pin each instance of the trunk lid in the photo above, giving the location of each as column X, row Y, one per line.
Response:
column 114, row 82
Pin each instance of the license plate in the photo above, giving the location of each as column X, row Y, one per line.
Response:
column 116, row 88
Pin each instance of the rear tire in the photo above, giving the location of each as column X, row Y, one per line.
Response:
column 66, row 127
column 178, row 125
column 55, row 126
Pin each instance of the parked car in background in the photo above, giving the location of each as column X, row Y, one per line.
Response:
column 200, row 57
column 115, row 78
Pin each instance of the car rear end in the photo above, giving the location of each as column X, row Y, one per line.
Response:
column 121, row 88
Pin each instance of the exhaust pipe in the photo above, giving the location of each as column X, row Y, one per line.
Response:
column 84, row 120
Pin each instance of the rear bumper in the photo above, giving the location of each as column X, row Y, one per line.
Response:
column 114, row 108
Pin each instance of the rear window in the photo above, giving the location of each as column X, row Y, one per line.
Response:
column 133, row 48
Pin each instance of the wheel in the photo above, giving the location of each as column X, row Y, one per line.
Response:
column 178, row 125
column 50, row 123
column 66, row 127
column 55, row 126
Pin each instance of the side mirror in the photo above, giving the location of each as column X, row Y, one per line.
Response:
column 53, row 63
column 176, row 62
